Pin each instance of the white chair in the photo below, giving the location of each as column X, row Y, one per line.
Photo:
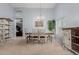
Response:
column 35, row 37
column 43, row 38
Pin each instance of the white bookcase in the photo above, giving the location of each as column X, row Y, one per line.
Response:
column 5, row 27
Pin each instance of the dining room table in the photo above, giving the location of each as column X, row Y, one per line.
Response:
column 30, row 35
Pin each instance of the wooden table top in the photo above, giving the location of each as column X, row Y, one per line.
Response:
column 40, row 33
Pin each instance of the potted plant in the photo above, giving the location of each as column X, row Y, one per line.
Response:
column 51, row 27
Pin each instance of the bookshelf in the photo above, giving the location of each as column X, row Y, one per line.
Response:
column 75, row 39
column 5, row 27
column 71, row 39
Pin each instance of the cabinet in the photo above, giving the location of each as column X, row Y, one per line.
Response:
column 67, row 38
column 71, row 39
column 5, row 27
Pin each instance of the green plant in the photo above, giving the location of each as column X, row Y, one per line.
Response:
column 51, row 25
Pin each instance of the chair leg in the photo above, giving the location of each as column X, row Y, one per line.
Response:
column 27, row 40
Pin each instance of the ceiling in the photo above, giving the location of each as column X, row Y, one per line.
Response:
column 33, row 5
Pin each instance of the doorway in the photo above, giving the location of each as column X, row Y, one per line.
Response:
column 19, row 27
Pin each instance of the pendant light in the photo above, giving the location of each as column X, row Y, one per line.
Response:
column 40, row 12
column 40, row 15
column 39, row 18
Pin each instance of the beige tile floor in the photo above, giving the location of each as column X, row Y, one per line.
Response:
column 20, row 47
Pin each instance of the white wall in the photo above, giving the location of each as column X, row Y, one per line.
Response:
column 67, row 15
column 69, row 12
column 58, row 16
column 6, row 10
column 29, row 14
